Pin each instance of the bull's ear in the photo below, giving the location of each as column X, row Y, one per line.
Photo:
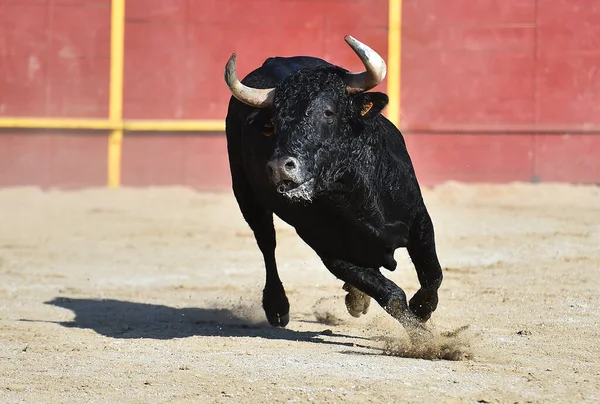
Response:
column 368, row 105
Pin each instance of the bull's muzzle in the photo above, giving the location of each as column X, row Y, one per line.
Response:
column 285, row 173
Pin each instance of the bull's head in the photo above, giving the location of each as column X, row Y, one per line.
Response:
column 321, row 119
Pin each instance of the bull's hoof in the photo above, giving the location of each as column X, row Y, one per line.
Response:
column 277, row 320
column 357, row 302
column 276, row 306
column 423, row 303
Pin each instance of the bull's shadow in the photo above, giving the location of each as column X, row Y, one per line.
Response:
column 122, row 319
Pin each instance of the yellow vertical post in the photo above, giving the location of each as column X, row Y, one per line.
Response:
column 394, row 60
column 117, row 43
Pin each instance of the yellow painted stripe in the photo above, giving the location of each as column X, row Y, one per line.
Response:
column 204, row 125
column 115, row 146
column 55, row 123
column 148, row 125
column 394, row 60
column 117, row 43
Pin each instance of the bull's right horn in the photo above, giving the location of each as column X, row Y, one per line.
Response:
column 255, row 97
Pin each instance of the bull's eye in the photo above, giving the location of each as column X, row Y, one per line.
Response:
column 269, row 128
column 328, row 113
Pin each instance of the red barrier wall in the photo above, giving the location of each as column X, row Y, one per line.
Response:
column 502, row 62
column 54, row 62
column 492, row 62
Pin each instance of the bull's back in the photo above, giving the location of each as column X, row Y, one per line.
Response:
column 276, row 69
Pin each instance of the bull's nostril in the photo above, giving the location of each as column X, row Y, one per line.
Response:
column 290, row 164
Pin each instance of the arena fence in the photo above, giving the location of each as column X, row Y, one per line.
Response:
column 469, row 157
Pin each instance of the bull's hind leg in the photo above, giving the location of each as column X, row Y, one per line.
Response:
column 421, row 248
column 370, row 281
column 260, row 220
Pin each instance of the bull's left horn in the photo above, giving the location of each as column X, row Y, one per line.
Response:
column 375, row 65
column 255, row 97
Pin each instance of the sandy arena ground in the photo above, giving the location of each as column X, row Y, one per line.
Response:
column 150, row 296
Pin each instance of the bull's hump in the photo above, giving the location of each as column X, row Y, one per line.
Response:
column 280, row 68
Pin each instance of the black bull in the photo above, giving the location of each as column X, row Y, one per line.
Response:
column 307, row 143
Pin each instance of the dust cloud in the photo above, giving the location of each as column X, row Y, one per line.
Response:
column 454, row 345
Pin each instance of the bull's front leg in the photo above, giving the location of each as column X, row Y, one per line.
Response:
column 421, row 248
column 370, row 281
column 275, row 302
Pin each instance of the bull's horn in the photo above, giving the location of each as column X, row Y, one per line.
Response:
column 375, row 65
column 255, row 97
